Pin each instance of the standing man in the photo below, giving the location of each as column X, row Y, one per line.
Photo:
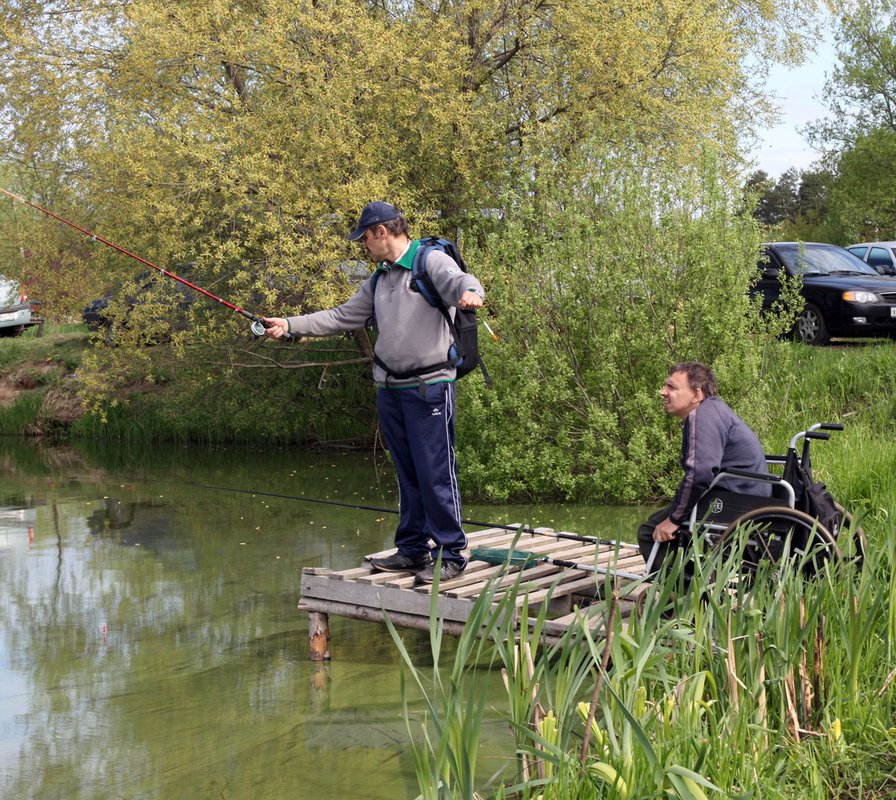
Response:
column 415, row 377
column 713, row 439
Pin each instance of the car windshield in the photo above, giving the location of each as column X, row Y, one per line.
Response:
column 9, row 292
column 815, row 260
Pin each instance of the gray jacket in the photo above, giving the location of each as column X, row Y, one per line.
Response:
column 714, row 439
column 412, row 333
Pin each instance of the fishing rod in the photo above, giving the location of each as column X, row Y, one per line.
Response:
column 258, row 325
column 379, row 510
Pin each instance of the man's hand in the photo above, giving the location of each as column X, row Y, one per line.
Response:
column 470, row 299
column 276, row 327
column 666, row 531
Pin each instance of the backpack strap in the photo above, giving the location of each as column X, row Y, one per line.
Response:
column 421, row 282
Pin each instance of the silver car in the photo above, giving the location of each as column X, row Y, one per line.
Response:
column 880, row 255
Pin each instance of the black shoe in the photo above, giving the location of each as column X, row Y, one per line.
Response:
column 399, row 563
column 449, row 570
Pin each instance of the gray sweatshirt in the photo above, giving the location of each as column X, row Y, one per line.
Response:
column 412, row 333
column 714, row 439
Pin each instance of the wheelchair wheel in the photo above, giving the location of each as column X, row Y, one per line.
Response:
column 775, row 533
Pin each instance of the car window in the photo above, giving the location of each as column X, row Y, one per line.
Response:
column 820, row 259
column 879, row 257
column 9, row 292
column 767, row 261
column 858, row 251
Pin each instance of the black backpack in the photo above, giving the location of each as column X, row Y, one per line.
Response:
column 463, row 354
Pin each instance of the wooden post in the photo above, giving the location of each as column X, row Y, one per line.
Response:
column 319, row 635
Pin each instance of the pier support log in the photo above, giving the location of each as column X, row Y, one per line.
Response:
column 319, row 635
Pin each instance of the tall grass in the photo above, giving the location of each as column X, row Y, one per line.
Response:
column 22, row 415
column 777, row 689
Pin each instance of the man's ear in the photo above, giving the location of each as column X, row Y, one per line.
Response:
column 699, row 397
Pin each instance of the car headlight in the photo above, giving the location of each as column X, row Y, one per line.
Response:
column 861, row 297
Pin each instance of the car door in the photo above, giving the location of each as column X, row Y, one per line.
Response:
column 768, row 286
column 882, row 260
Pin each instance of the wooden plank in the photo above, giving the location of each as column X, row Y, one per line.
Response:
column 572, row 586
column 399, row 619
column 504, row 580
column 390, row 598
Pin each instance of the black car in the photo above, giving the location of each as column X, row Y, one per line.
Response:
column 844, row 296
column 148, row 286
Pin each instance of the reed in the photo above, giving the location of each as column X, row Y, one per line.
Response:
column 780, row 688
column 21, row 416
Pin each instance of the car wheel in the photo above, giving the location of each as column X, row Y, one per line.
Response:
column 810, row 326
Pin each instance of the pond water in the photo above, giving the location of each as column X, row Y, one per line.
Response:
column 150, row 644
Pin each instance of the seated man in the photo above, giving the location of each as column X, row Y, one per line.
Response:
column 714, row 439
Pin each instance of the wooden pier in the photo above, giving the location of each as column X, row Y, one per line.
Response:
column 572, row 593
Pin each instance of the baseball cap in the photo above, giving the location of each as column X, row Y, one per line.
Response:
column 374, row 213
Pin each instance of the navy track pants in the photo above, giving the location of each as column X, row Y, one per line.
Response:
column 419, row 432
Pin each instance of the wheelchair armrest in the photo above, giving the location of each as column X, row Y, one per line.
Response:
column 779, row 485
column 745, row 473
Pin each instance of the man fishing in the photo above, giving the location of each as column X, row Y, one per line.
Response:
column 713, row 439
column 415, row 378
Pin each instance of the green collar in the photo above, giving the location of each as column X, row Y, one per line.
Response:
column 406, row 261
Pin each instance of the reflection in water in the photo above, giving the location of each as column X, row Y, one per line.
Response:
column 150, row 645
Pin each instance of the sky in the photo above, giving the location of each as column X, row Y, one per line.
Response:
column 799, row 93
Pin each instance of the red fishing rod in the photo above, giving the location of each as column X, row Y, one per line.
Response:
column 258, row 326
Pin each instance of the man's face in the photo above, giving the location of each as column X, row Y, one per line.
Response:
column 374, row 242
column 679, row 399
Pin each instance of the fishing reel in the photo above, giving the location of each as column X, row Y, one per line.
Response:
column 258, row 328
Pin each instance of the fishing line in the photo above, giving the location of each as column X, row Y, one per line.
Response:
column 258, row 326
column 380, row 510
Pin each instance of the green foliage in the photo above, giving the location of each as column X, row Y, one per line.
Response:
column 196, row 394
column 858, row 135
column 860, row 92
column 599, row 290
column 454, row 702
column 21, row 416
column 796, row 207
column 862, row 202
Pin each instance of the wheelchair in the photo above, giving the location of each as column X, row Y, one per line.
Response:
column 799, row 521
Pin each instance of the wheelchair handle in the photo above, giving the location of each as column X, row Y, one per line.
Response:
column 812, row 433
column 827, row 426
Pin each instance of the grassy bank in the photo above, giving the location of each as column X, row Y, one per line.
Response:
column 167, row 393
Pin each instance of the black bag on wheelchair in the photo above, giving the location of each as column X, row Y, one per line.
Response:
column 812, row 496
